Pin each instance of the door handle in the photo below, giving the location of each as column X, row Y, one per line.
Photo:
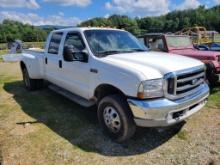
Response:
column 46, row 60
column 60, row 63
column 93, row 70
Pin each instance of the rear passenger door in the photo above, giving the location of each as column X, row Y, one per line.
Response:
column 53, row 57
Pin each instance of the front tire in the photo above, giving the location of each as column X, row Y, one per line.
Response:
column 115, row 117
column 31, row 84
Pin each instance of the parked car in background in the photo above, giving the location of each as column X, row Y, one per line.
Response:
column 199, row 35
column 208, row 47
column 110, row 68
column 182, row 45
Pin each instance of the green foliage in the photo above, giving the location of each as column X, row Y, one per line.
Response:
column 183, row 135
column 116, row 21
column 11, row 30
column 171, row 22
column 124, row 22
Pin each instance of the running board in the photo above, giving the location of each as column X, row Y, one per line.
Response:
column 71, row 96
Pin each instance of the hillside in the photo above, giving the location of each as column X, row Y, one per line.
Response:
column 171, row 22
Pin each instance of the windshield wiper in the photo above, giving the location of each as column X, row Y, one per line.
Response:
column 109, row 52
column 139, row 50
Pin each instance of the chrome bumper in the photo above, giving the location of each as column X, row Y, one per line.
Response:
column 165, row 112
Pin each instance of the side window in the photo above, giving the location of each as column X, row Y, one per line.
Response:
column 75, row 40
column 141, row 40
column 55, row 43
column 156, row 44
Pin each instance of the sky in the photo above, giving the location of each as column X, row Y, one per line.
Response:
column 72, row 12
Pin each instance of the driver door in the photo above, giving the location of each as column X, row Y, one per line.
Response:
column 75, row 74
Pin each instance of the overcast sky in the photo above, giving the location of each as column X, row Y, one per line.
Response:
column 72, row 12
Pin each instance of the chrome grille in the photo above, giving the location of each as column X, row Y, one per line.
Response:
column 183, row 83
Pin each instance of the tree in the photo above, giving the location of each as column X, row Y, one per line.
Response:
column 11, row 30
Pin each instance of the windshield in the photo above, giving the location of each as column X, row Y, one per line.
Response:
column 107, row 42
column 178, row 41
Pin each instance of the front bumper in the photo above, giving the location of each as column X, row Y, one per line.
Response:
column 165, row 112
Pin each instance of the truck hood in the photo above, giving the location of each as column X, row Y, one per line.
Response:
column 199, row 54
column 151, row 63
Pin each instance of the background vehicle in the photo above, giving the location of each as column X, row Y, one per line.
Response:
column 182, row 45
column 111, row 69
column 200, row 35
column 208, row 47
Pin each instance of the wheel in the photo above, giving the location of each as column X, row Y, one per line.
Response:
column 31, row 84
column 115, row 118
column 210, row 75
column 211, row 79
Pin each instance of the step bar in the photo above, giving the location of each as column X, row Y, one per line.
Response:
column 75, row 98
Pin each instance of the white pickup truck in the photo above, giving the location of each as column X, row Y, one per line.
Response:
column 110, row 68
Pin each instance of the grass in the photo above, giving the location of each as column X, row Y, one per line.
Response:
column 2, row 52
column 43, row 127
column 34, row 44
column 182, row 135
column 3, row 46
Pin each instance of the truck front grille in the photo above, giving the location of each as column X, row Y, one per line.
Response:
column 183, row 83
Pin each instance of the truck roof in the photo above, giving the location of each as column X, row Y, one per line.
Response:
column 81, row 29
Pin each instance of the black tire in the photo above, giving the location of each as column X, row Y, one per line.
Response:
column 210, row 75
column 31, row 84
column 127, row 126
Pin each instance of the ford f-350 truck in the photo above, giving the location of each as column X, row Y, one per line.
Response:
column 112, row 70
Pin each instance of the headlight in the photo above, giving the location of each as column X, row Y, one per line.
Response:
column 151, row 89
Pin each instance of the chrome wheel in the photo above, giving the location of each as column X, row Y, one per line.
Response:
column 112, row 119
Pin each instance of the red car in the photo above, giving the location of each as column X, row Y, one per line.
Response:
column 182, row 45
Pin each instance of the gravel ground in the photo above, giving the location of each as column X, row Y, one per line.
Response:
column 44, row 128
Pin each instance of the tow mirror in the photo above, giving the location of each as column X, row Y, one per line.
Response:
column 81, row 56
column 70, row 54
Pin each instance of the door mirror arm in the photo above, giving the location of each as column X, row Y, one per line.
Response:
column 81, row 56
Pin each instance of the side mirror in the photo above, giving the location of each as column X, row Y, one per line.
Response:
column 70, row 54
column 81, row 56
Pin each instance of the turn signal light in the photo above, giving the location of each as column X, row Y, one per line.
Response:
column 140, row 95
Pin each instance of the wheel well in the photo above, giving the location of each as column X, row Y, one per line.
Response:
column 105, row 90
column 22, row 65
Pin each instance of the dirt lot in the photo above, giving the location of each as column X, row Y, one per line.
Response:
column 43, row 127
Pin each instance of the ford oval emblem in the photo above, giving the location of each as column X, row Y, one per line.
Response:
column 194, row 81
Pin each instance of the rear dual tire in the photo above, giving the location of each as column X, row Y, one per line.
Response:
column 31, row 84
